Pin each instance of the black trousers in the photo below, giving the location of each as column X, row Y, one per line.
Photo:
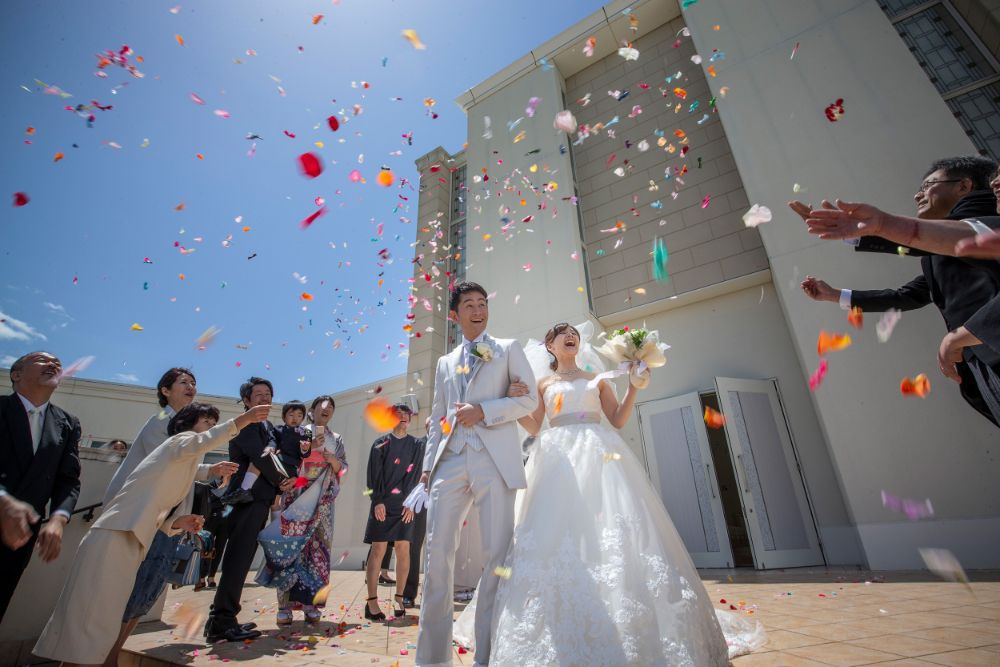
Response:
column 988, row 382
column 245, row 523
column 13, row 563
column 220, row 532
column 416, row 544
column 972, row 393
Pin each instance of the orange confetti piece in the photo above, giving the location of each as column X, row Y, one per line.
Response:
column 918, row 386
column 557, row 404
column 317, row 19
column 445, row 426
column 180, row 207
column 180, row 40
column 199, row 156
column 828, row 342
column 385, row 178
column 30, row 131
column 321, row 596
column 58, row 156
column 411, row 36
column 380, row 415
column 714, row 418
column 680, row 134
column 711, row 70
column 306, row 296
column 856, row 317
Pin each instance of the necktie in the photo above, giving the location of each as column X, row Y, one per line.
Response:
column 35, row 421
column 467, row 363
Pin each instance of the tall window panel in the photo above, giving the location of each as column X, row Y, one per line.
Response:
column 963, row 71
column 456, row 238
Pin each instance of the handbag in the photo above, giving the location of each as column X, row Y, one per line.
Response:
column 187, row 559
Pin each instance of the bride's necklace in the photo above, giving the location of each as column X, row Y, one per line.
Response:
column 572, row 372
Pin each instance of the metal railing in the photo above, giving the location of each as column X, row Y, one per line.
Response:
column 88, row 512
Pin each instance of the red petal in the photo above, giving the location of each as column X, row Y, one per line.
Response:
column 333, row 123
column 20, row 199
column 312, row 218
column 310, row 164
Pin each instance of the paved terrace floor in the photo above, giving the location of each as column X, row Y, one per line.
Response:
column 814, row 618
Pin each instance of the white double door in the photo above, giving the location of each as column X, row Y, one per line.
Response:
column 770, row 488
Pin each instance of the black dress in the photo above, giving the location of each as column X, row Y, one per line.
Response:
column 394, row 468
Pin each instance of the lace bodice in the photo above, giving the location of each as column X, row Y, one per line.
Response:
column 572, row 401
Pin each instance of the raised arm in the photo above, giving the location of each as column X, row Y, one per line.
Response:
column 617, row 413
column 853, row 220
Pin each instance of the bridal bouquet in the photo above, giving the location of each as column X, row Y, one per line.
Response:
column 636, row 350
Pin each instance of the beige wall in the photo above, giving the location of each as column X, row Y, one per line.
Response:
column 895, row 124
column 706, row 245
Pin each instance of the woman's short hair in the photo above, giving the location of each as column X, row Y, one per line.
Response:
column 293, row 405
column 167, row 381
column 320, row 399
column 189, row 416
column 551, row 336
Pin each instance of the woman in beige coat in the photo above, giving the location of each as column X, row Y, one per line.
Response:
column 87, row 617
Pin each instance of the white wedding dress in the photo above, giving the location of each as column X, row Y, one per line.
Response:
column 596, row 574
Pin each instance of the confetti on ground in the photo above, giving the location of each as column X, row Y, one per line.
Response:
column 918, row 386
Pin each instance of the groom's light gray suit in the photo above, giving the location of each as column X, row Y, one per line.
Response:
column 478, row 466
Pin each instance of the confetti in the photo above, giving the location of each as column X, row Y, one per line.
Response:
column 77, row 366
column 913, row 509
column 503, row 572
column 312, row 218
column 886, row 323
column 21, row 198
column 333, row 123
column 58, row 156
column 316, row 19
column 817, row 377
column 588, row 47
column 714, row 418
column 565, row 122
column 795, row 49
column 179, row 39
column 310, row 165
column 835, row 111
column 380, row 415
column 828, row 342
column 411, row 36
column 385, row 177
column 135, row 327
column 918, row 386
column 660, row 258
column 557, row 404
column 944, row 564
column 706, row 201
column 856, row 317
column 757, row 215
column 207, row 337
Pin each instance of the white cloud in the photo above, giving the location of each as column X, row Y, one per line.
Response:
column 54, row 306
column 14, row 329
column 7, row 360
column 128, row 377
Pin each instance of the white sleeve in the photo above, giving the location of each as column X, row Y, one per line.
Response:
column 845, row 299
column 978, row 227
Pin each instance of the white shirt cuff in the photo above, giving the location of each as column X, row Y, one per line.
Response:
column 853, row 242
column 62, row 513
column 978, row 227
column 845, row 299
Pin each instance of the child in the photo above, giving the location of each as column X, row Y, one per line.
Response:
column 292, row 443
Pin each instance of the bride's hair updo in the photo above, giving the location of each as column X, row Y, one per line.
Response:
column 551, row 336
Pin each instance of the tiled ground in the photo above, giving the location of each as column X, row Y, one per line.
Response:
column 814, row 617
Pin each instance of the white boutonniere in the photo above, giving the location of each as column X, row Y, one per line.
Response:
column 483, row 351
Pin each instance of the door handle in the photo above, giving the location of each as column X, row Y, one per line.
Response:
column 710, row 476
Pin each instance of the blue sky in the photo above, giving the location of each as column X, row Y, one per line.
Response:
column 74, row 275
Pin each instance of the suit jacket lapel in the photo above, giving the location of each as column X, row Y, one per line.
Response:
column 455, row 361
column 20, row 429
column 477, row 364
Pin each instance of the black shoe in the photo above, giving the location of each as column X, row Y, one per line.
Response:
column 408, row 602
column 396, row 611
column 232, row 634
column 386, row 580
column 247, row 627
column 373, row 616
column 237, row 497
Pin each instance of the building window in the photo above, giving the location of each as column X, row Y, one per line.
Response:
column 963, row 71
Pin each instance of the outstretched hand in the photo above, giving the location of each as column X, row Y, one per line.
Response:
column 984, row 246
column 819, row 290
column 847, row 221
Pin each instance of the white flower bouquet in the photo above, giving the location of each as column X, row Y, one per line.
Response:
column 634, row 350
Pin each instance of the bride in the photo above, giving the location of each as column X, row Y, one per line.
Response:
column 596, row 573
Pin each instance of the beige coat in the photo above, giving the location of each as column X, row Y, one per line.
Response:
column 160, row 483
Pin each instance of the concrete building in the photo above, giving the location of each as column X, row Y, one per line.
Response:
column 724, row 108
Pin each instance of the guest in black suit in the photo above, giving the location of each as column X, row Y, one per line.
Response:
column 247, row 518
column 39, row 467
column 954, row 189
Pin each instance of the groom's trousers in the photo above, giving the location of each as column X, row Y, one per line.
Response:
column 461, row 479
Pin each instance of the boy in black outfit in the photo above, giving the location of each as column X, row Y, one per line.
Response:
column 292, row 437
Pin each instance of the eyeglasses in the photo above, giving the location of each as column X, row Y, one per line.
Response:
column 927, row 184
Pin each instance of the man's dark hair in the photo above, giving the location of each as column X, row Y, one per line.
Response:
column 976, row 168
column 293, row 405
column 167, row 381
column 189, row 416
column 402, row 407
column 247, row 387
column 19, row 362
column 464, row 288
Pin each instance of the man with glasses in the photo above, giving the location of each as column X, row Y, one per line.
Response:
column 955, row 189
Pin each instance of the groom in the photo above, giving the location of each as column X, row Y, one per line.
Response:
column 473, row 458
